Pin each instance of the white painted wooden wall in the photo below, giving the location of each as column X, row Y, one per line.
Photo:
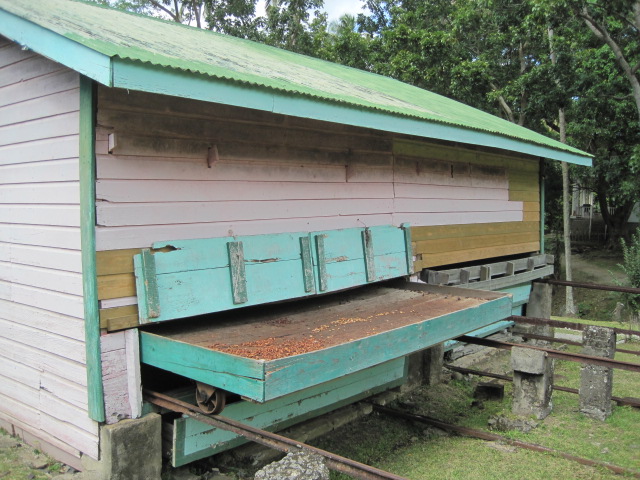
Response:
column 43, row 382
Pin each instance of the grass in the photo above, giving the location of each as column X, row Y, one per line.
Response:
column 416, row 451
column 16, row 462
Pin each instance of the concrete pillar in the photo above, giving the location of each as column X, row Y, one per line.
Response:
column 532, row 382
column 424, row 368
column 130, row 450
column 539, row 306
column 596, row 382
column 433, row 362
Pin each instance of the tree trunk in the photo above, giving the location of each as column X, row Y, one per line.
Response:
column 569, row 306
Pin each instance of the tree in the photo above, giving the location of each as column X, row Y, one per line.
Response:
column 234, row 17
column 291, row 24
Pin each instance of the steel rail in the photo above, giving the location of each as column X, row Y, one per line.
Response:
column 492, row 437
column 569, row 342
column 621, row 401
column 269, row 439
column 567, row 325
column 574, row 357
column 591, row 286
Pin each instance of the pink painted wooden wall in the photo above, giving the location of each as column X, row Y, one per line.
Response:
column 43, row 384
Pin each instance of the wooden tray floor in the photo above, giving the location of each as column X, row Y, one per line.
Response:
column 280, row 331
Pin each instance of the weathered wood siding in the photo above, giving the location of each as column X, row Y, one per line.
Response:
column 171, row 168
column 43, row 383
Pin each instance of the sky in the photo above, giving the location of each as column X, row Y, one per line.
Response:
column 334, row 8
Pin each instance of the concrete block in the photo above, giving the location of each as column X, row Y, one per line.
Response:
column 532, row 391
column 131, row 449
column 527, row 360
column 596, row 382
column 433, row 362
column 540, row 300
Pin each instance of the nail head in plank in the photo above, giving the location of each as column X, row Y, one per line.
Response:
column 238, row 274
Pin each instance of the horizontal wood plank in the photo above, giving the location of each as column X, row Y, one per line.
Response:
column 109, row 214
column 425, row 192
column 164, row 191
column 36, row 108
column 50, row 215
column 37, row 87
column 50, row 127
column 49, row 171
column 473, row 254
column 456, row 218
column 116, row 286
column 403, row 205
column 37, row 151
column 469, row 230
column 64, row 193
column 167, row 126
column 429, row 247
column 113, row 262
column 41, row 235
column 45, row 257
column 110, row 238
column 45, row 278
column 31, row 66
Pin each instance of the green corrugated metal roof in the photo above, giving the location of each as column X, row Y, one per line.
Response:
column 119, row 35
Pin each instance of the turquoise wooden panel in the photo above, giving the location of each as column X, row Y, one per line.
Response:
column 194, row 440
column 199, row 254
column 302, row 371
column 266, row 380
column 196, row 277
column 481, row 332
column 520, row 293
column 229, row 372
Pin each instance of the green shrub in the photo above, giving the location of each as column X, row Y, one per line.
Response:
column 631, row 267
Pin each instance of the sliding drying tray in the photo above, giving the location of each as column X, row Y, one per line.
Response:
column 266, row 352
column 211, row 309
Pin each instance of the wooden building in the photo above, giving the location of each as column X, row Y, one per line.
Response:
column 151, row 171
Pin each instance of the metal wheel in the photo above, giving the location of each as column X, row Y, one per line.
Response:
column 211, row 400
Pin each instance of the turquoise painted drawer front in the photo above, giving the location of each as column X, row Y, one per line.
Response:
column 184, row 278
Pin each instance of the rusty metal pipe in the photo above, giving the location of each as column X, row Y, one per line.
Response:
column 591, row 286
column 627, row 401
column 567, row 325
column 569, row 342
column 574, row 357
column 271, row 440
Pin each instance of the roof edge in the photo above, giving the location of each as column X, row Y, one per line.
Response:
column 150, row 78
column 58, row 48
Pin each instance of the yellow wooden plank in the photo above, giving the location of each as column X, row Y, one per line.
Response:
column 116, row 286
column 449, row 258
column 119, row 318
column 531, row 216
column 524, row 196
column 112, row 262
column 453, row 231
column 442, row 245
column 531, row 206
